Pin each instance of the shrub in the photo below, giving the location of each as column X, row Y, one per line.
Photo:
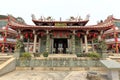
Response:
column 94, row 55
column 36, row 54
column 45, row 54
column 82, row 55
column 26, row 55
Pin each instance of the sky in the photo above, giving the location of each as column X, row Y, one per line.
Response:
column 97, row 9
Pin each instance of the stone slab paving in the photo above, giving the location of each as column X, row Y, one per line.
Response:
column 45, row 75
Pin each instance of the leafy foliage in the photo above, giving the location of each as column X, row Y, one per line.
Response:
column 19, row 46
column 94, row 55
column 102, row 46
column 36, row 54
column 45, row 54
column 82, row 55
column 26, row 55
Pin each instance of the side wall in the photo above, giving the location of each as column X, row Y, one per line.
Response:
column 8, row 66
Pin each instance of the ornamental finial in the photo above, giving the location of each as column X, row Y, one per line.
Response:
column 33, row 16
column 87, row 17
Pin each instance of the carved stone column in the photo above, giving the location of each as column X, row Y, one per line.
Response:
column 86, row 42
column 21, row 35
column 99, row 36
column 39, row 45
column 47, row 41
column 35, row 41
column 73, row 42
column 81, row 45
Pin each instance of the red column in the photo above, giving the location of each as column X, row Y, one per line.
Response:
column 116, row 40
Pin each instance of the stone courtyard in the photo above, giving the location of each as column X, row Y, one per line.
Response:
column 45, row 75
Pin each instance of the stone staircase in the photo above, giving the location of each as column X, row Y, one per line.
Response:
column 4, row 58
column 7, row 64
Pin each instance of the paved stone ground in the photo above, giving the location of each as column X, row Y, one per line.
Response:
column 45, row 75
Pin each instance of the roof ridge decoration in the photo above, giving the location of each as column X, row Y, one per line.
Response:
column 50, row 18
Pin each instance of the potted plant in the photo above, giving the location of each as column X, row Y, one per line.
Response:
column 45, row 54
column 26, row 56
column 19, row 48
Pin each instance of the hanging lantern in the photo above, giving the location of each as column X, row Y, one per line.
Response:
column 67, row 34
column 94, row 35
column 60, row 34
column 78, row 34
column 26, row 35
column 54, row 34
column 103, row 36
column 42, row 34
column 31, row 35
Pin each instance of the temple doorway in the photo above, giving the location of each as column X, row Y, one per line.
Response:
column 60, row 45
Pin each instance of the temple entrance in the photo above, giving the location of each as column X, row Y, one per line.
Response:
column 60, row 45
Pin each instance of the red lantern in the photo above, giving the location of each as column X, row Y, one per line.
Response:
column 78, row 34
column 54, row 34
column 42, row 34
column 66, row 34
column 31, row 35
column 94, row 35
column 26, row 35
column 103, row 36
column 60, row 34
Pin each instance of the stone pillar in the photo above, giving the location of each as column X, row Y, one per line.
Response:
column 86, row 44
column 21, row 35
column 52, row 45
column 99, row 36
column 70, row 45
column 39, row 45
column 113, row 75
column 81, row 45
column 68, row 49
column 35, row 41
column 93, row 46
column 28, row 42
column 47, row 41
column 73, row 42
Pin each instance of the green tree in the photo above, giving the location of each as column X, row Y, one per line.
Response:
column 102, row 47
column 19, row 46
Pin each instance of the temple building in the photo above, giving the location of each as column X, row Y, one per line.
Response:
column 7, row 35
column 68, row 36
column 112, row 36
column 59, row 36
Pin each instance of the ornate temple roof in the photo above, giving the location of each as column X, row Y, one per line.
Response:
column 9, row 30
column 108, row 24
column 116, row 25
